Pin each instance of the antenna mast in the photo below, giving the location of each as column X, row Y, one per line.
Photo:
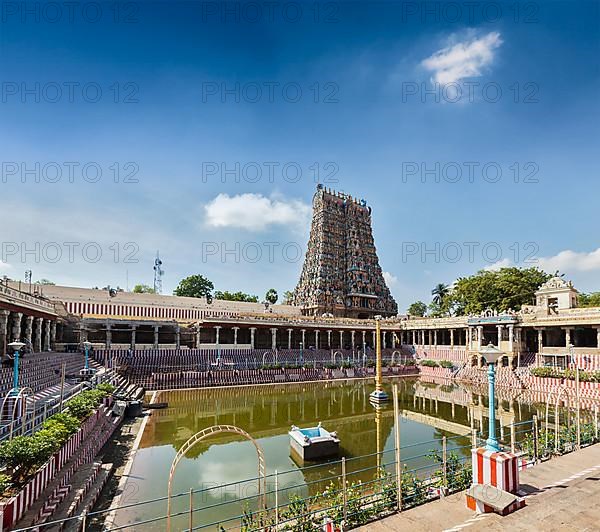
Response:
column 158, row 273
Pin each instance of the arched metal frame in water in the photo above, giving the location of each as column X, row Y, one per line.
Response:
column 198, row 437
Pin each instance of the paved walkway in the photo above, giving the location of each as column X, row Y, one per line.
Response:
column 561, row 494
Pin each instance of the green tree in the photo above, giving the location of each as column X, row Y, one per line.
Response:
column 418, row 308
column 143, row 289
column 504, row 289
column 439, row 293
column 288, row 295
column 589, row 300
column 271, row 296
column 235, row 296
column 194, row 286
column 45, row 282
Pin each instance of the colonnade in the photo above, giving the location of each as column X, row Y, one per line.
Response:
column 36, row 331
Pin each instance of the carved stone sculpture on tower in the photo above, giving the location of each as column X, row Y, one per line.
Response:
column 341, row 273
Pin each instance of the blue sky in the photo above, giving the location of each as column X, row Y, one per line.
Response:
column 214, row 112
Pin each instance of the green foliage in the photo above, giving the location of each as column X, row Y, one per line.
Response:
column 589, row 300
column 440, row 304
column 418, row 309
column 105, row 387
column 46, row 282
column 504, row 289
column 235, row 296
column 271, row 296
column 23, row 455
column 288, row 296
column 5, row 483
column 556, row 373
column 19, row 455
column 297, row 511
column 414, row 491
column 194, row 286
column 143, row 289
column 429, row 363
column 446, row 364
column 458, row 474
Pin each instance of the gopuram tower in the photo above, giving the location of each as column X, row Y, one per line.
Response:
column 341, row 273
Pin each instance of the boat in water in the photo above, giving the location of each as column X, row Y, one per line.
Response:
column 313, row 443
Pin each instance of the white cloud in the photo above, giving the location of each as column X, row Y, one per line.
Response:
column 566, row 261
column 390, row 279
column 502, row 263
column 255, row 212
column 571, row 261
column 462, row 60
column 4, row 266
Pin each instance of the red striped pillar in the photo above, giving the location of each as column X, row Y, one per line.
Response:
column 497, row 469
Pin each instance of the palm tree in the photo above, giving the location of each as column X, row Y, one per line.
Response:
column 439, row 293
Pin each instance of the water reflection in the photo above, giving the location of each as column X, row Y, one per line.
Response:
column 429, row 412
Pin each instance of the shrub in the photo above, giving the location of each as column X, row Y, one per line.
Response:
column 5, row 483
column 429, row 363
column 446, row 364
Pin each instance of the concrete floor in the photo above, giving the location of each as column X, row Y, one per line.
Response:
column 562, row 494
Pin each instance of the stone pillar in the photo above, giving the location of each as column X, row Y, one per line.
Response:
column 567, row 336
column 108, row 336
column 177, row 337
column 53, row 335
column 16, row 326
column 303, row 331
column 352, row 333
column 235, row 334
column 341, row 339
column 28, row 329
column 511, row 338
column 37, row 337
column 290, row 338
column 540, row 340
column 252, row 335
column 499, row 327
column 198, row 329
column 364, row 342
column 429, row 339
column 374, row 339
column 273, row 338
column 217, row 334
column 598, row 337
column 394, row 340
column 479, row 337
column 133, row 331
column 414, row 337
column 317, row 339
column 329, row 339
column 435, row 338
column 469, row 338
column 3, row 330
column 156, row 339
column 47, row 335
column 451, row 338
column 383, row 334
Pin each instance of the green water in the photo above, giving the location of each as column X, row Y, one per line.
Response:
column 267, row 413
